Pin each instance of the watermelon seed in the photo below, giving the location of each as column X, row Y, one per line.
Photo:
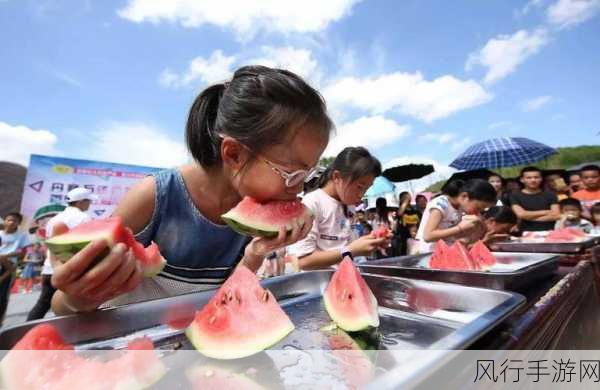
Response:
column 230, row 295
column 349, row 296
column 238, row 296
column 212, row 320
column 224, row 300
column 265, row 295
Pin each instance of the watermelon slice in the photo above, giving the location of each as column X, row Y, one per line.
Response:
column 349, row 300
column 481, row 255
column 381, row 232
column 569, row 234
column 455, row 257
column 252, row 218
column 240, row 320
column 208, row 377
column 352, row 361
column 42, row 360
column 66, row 245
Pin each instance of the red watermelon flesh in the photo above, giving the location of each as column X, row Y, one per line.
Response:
column 454, row 257
column 208, row 377
column 240, row 320
column 381, row 232
column 41, row 359
column 566, row 234
column 351, row 361
column 112, row 230
column 264, row 219
column 439, row 256
column 349, row 300
column 482, row 255
column 464, row 256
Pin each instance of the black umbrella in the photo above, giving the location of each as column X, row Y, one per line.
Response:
column 473, row 174
column 407, row 172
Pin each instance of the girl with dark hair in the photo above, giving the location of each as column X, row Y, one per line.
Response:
column 498, row 222
column 456, row 213
column 261, row 135
column 498, row 183
column 343, row 184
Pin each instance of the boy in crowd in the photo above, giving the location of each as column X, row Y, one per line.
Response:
column 574, row 182
column 570, row 216
column 590, row 194
column 12, row 249
column 536, row 209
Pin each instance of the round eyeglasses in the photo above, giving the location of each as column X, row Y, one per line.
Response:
column 292, row 179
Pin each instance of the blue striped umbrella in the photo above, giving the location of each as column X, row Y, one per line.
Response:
column 502, row 152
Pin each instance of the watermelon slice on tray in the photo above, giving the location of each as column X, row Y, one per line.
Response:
column 240, row 320
column 569, row 234
column 349, row 300
column 66, row 245
column 481, row 254
column 253, row 218
column 42, row 360
column 458, row 258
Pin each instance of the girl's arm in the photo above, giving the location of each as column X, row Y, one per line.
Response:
column 432, row 233
column 363, row 246
column 83, row 286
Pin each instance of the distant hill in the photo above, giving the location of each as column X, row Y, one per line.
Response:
column 565, row 158
column 12, row 178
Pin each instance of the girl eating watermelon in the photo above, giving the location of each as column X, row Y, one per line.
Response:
column 260, row 135
column 343, row 184
column 456, row 213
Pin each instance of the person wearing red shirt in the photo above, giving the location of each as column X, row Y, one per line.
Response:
column 590, row 194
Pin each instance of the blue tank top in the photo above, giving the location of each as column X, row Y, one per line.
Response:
column 197, row 250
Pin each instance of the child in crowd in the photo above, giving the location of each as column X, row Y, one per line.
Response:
column 570, row 216
column 412, row 244
column 343, row 184
column 456, row 213
column 498, row 223
column 34, row 257
column 261, row 134
column 595, row 218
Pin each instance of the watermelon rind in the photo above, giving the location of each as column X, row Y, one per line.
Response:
column 255, row 228
column 346, row 321
column 352, row 324
column 65, row 246
column 237, row 350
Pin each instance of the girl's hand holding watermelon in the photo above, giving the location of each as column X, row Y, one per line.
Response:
column 368, row 244
column 83, row 285
column 260, row 247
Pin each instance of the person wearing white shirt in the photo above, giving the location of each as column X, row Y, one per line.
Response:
column 79, row 200
column 343, row 184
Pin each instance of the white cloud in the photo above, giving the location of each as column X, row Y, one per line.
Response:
column 461, row 145
column 217, row 67
column 408, row 93
column 371, row 132
column 136, row 143
column 498, row 125
column 531, row 4
column 502, row 55
column 568, row 13
column 299, row 61
column 441, row 138
column 18, row 142
column 442, row 171
column 244, row 17
column 535, row 103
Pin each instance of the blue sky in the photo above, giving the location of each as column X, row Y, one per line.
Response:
column 412, row 80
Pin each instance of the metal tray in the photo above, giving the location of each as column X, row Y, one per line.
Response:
column 414, row 315
column 512, row 271
column 529, row 246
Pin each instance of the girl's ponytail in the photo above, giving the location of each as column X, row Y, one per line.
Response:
column 200, row 129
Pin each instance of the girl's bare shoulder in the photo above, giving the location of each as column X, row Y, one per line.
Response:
column 137, row 206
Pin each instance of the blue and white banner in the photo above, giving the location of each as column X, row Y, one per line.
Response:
column 49, row 179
